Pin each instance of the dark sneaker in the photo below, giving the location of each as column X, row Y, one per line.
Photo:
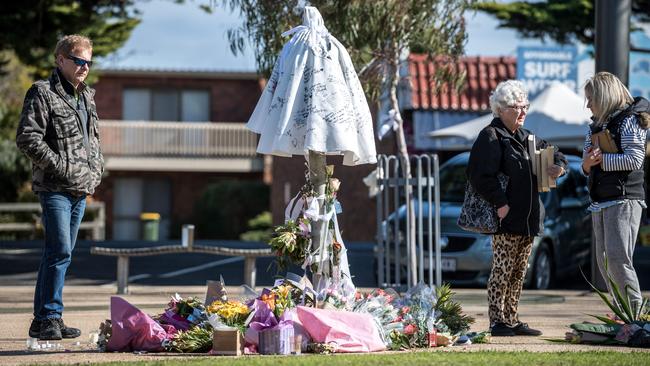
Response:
column 522, row 329
column 50, row 330
column 35, row 328
column 67, row 332
column 501, row 330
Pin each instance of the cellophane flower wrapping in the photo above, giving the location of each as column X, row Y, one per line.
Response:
column 133, row 330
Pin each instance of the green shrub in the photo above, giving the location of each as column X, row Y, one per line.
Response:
column 259, row 228
column 224, row 209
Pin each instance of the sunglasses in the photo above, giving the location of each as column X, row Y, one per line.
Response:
column 80, row 61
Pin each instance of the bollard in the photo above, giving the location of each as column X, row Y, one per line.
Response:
column 187, row 236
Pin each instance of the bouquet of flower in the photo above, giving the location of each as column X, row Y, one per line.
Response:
column 231, row 313
column 629, row 323
column 379, row 304
column 183, row 313
column 193, row 340
column 291, row 242
column 418, row 318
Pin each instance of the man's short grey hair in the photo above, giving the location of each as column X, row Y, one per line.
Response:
column 69, row 43
column 507, row 93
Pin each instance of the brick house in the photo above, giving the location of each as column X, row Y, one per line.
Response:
column 167, row 134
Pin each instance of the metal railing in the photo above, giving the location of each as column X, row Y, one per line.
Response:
column 96, row 226
column 397, row 253
column 179, row 139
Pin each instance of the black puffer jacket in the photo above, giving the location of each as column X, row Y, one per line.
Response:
column 623, row 184
column 498, row 150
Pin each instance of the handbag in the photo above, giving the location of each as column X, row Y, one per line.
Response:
column 478, row 215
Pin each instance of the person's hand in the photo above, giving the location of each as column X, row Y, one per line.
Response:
column 503, row 211
column 554, row 171
column 592, row 156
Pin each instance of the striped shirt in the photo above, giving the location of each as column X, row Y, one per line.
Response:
column 633, row 140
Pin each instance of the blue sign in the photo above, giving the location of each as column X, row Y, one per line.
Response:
column 639, row 79
column 537, row 67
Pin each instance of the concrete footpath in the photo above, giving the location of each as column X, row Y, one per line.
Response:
column 88, row 306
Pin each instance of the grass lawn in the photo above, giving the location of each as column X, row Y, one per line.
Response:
column 418, row 358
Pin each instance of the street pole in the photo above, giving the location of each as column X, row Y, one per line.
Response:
column 613, row 37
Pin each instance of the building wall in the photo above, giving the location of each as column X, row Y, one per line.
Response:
column 231, row 100
column 187, row 189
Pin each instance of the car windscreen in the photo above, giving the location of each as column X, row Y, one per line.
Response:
column 452, row 183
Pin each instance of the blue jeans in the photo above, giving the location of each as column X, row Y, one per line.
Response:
column 62, row 214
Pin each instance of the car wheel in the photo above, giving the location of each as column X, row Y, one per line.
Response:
column 542, row 268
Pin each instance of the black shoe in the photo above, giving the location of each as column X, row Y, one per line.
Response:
column 50, row 330
column 522, row 329
column 35, row 328
column 67, row 332
column 501, row 330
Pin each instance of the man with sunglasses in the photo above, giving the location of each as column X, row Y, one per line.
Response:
column 58, row 131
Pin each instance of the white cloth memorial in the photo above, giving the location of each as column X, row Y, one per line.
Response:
column 314, row 100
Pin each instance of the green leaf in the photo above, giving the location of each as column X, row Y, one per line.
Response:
column 612, row 307
column 604, row 319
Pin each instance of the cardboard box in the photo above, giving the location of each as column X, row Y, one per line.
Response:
column 227, row 342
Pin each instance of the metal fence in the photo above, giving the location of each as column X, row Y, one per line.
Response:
column 192, row 139
column 402, row 259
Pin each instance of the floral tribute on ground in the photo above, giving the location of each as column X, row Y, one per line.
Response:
column 628, row 324
column 288, row 318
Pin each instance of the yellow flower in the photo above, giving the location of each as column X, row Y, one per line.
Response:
column 283, row 291
column 230, row 311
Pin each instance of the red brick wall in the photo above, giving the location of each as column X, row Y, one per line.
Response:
column 186, row 189
column 231, row 100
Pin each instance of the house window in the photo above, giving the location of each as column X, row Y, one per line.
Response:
column 133, row 196
column 141, row 104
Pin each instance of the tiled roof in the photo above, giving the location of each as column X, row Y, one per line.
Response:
column 483, row 75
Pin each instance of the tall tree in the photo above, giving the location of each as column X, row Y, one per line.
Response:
column 15, row 168
column 560, row 20
column 31, row 28
column 29, row 31
column 377, row 34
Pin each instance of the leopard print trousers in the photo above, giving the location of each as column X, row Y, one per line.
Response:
column 509, row 264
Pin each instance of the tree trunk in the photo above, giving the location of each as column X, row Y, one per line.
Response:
column 403, row 154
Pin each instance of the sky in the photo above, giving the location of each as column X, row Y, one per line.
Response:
column 184, row 37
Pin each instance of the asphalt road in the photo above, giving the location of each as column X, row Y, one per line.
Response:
column 19, row 262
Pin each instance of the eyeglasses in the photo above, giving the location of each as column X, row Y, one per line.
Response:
column 521, row 108
column 80, row 61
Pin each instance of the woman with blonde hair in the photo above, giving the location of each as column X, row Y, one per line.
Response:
column 613, row 159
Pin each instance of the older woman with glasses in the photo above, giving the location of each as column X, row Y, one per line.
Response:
column 502, row 148
column 616, row 176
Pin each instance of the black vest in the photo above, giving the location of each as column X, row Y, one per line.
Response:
column 616, row 185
